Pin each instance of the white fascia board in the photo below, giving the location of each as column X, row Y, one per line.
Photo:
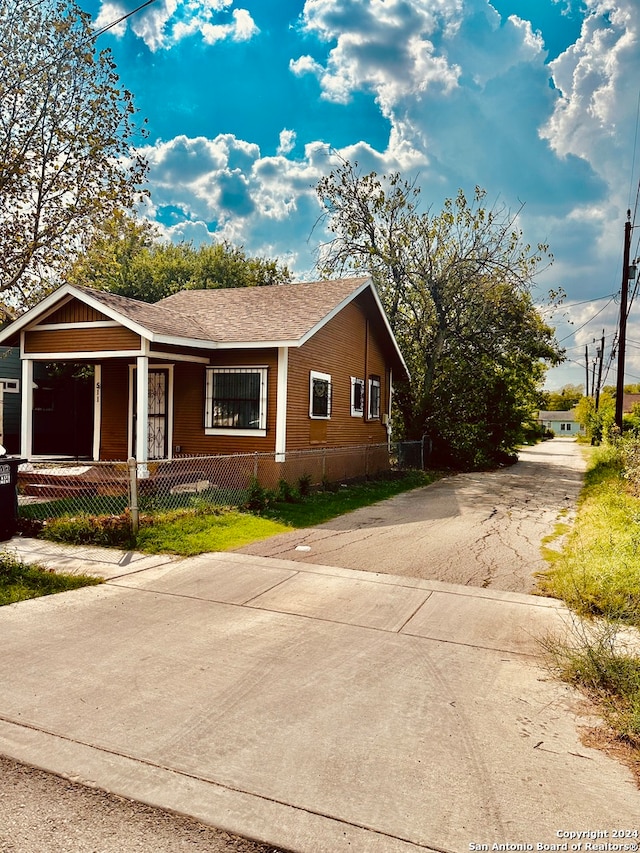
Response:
column 84, row 355
column 334, row 311
column 258, row 344
column 132, row 325
column 385, row 320
column 41, row 309
column 367, row 284
column 57, row 299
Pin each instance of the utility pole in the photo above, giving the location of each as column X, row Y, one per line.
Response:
column 586, row 362
column 601, row 358
column 622, row 339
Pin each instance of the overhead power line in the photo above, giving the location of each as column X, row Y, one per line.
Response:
column 119, row 20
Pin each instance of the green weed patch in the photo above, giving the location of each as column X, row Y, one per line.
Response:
column 188, row 534
column 320, row 506
column 19, row 581
column 597, row 572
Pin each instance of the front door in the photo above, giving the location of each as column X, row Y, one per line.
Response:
column 157, row 431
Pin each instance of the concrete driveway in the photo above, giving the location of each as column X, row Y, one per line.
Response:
column 480, row 529
column 315, row 708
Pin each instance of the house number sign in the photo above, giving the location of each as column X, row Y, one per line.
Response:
column 5, row 475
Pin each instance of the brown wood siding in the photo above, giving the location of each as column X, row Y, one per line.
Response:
column 346, row 346
column 189, row 406
column 75, row 311
column 81, row 340
column 114, row 409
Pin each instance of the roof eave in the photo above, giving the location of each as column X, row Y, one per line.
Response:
column 68, row 290
column 367, row 284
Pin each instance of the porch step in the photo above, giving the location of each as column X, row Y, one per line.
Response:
column 58, row 491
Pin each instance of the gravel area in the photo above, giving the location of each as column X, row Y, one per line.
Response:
column 41, row 813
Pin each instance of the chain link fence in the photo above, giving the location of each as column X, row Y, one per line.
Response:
column 55, row 489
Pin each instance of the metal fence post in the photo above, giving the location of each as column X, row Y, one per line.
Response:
column 133, row 495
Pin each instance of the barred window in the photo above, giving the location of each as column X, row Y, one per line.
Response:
column 374, row 397
column 236, row 399
column 319, row 395
column 357, row 397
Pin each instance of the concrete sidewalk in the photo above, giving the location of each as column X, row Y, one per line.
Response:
column 314, row 708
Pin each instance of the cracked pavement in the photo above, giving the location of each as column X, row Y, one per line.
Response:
column 479, row 529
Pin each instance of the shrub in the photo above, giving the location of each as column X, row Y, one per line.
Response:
column 629, row 451
column 287, row 493
column 304, row 485
column 109, row 530
column 258, row 498
column 595, row 659
column 329, row 486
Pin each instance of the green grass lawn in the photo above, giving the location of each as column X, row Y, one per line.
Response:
column 322, row 506
column 188, row 534
column 196, row 531
column 19, row 581
column 597, row 571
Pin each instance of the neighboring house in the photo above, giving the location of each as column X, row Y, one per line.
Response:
column 628, row 403
column 10, row 398
column 242, row 370
column 562, row 423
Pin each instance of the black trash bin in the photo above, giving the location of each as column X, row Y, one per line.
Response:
column 9, row 496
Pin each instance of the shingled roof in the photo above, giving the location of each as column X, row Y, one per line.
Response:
column 161, row 321
column 275, row 315
column 285, row 312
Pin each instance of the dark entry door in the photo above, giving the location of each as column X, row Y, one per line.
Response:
column 157, row 432
column 63, row 410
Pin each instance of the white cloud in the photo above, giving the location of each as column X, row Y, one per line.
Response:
column 110, row 12
column 597, row 79
column 468, row 101
column 305, row 65
column 287, row 141
column 382, row 47
column 167, row 22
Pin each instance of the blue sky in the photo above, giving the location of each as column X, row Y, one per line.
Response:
column 534, row 100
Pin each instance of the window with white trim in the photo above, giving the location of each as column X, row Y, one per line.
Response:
column 236, row 401
column 319, row 395
column 374, row 397
column 357, row 397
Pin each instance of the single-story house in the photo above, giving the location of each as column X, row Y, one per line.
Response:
column 219, row 371
column 562, row 423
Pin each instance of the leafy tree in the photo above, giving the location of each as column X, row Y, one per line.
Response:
column 65, row 131
column 563, row 400
column 127, row 258
column 457, row 290
column 597, row 424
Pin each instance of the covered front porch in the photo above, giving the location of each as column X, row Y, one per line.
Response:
column 67, row 411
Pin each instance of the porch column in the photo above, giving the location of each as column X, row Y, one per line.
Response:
column 141, row 449
column 97, row 410
column 26, row 414
column 281, row 403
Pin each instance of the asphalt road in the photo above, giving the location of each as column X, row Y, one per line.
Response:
column 480, row 529
column 42, row 813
